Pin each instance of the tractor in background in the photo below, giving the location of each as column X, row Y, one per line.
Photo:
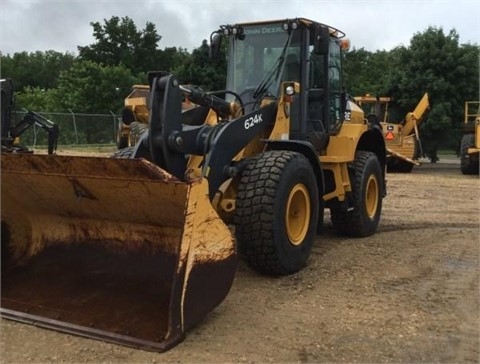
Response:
column 470, row 144
column 404, row 147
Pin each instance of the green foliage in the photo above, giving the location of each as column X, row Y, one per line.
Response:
column 89, row 87
column 98, row 80
column 364, row 72
column 36, row 99
column 200, row 70
column 435, row 63
column 170, row 58
column 93, row 88
column 38, row 69
column 118, row 42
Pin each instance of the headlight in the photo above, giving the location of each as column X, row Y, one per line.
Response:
column 289, row 90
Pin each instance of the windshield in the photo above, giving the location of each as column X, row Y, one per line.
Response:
column 259, row 56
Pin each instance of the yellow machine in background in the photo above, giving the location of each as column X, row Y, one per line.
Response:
column 137, row 249
column 402, row 138
column 470, row 144
column 135, row 110
column 135, row 115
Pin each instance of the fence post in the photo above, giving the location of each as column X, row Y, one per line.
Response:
column 74, row 125
column 114, row 126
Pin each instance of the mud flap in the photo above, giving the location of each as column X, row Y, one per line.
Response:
column 115, row 249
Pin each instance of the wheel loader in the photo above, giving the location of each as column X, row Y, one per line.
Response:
column 135, row 115
column 470, row 144
column 404, row 147
column 135, row 110
column 137, row 248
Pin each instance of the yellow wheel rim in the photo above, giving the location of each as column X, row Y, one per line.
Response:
column 297, row 214
column 371, row 196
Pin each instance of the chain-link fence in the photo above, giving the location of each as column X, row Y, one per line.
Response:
column 74, row 129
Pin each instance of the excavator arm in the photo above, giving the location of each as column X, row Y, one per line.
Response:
column 10, row 133
column 32, row 118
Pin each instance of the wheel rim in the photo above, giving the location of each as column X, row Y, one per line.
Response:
column 297, row 214
column 371, row 196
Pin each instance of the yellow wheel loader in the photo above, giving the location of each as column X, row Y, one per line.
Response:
column 136, row 112
column 404, row 147
column 138, row 248
column 470, row 144
column 135, row 115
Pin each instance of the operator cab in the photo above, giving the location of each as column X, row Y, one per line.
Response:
column 263, row 55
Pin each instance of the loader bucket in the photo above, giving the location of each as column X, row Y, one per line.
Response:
column 115, row 249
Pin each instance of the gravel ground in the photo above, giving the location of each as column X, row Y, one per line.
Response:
column 408, row 294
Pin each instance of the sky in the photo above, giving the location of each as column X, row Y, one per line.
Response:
column 41, row 25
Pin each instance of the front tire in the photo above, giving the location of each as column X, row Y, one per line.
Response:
column 122, row 142
column 366, row 179
column 276, row 212
column 401, row 166
column 469, row 164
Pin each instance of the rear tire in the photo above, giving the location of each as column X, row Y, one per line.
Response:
column 403, row 166
column 122, row 142
column 276, row 212
column 124, row 153
column 469, row 164
column 367, row 186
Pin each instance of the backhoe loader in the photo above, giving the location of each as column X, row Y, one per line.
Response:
column 470, row 144
column 10, row 133
column 138, row 248
column 404, row 147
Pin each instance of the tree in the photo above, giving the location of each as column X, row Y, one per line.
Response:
column 36, row 99
column 89, row 87
column 172, row 57
column 118, row 42
column 437, row 64
column 200, row 70
column 38, row 69
column 364, row 72
column 93, row 88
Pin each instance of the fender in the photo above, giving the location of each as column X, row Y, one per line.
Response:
column 374, row 141
column 307, row 150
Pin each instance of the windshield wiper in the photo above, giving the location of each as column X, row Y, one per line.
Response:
column 274, row 73
column 269, row 78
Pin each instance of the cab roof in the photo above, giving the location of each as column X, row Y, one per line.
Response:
column 334, row 32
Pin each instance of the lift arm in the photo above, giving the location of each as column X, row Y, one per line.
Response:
column 169, row 141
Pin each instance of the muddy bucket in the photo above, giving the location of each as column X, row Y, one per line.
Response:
column 115, row 249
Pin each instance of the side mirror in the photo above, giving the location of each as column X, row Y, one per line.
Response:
column 215, row 45
column 321, row 40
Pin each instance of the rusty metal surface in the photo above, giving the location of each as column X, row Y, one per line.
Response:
column 127, row 204
column 116, row 249
column 126, row 294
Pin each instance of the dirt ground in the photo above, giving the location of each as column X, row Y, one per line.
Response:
column 408, row 294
